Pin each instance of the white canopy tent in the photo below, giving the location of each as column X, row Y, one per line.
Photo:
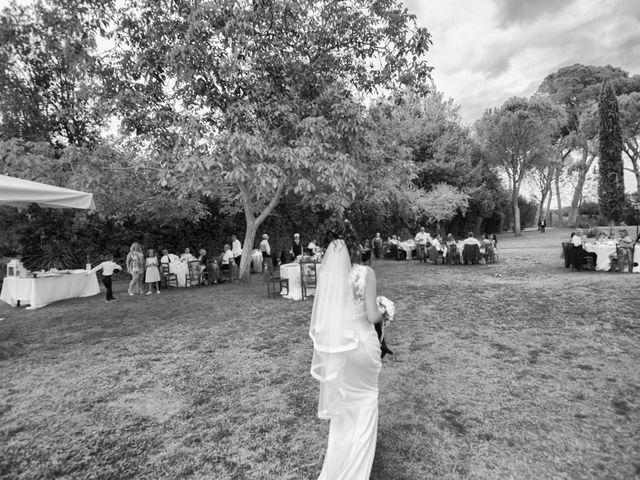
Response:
column 22, row 193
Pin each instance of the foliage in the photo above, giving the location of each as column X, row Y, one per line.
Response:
column 611, row 174
column 52, row 76
column 629, row 105
column 516, row 138
column 258, row 99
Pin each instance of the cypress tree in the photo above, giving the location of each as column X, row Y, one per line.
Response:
column 611, row 180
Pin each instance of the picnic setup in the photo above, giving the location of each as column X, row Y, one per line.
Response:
column 319, row 239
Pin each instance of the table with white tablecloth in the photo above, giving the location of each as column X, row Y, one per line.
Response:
column 256, row 261
column 408, row 247
column 291, row 271
column 38, row 292
column 180, row 269
column 603, row 263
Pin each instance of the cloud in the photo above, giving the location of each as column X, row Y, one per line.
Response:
column 521, row 12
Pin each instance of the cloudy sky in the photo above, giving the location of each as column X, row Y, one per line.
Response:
column 485, row 51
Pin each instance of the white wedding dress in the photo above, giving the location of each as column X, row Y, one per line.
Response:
column 353, row 430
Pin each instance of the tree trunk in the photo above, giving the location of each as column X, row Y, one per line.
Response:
column 547, row 214
column 247, row 248
column 634, row 155
column 517, row 230
column 253, row 223
column 558, row 197
column 585, row 165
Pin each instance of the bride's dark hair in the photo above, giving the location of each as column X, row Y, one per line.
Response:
column 335, row 229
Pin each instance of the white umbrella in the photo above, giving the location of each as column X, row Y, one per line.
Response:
column 22, row 193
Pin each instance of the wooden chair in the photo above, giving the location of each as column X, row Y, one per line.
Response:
column 309, row 277
column 193, row 276
column 453, row 256
column 623, row 261
column 167, row 279
column 275, row 283
column 471, row 254
column 489, row 254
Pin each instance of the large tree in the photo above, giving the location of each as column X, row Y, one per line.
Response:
column 516, row 138
column 611, row 174
column 576, row 88
column 630, row 122
column 256, row 99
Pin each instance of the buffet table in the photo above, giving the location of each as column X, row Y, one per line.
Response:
column 256, row 261
column 38, row 292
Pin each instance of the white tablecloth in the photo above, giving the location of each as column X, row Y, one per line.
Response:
column 407, row 247
column 38, row 292
column 603, row 263
column 291, row 271
column 256, row 261
column 181, row 269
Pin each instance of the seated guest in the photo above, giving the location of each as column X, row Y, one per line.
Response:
column 168, row 257
column 393, row 247
column 203, row 260
column 435, row 249
column 471, row 249
column 625, row 247
column 577, row 253
column 187, row 255
column 453, row 256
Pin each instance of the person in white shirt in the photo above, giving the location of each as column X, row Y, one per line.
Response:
column 107, row 267
column 228, row 262
column 236, row 248
column 187, row 255
column 266, row 252
column 423, row 240
column 471, row 240
column 168, row 257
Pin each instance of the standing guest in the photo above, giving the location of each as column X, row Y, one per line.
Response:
column 107, row 267
column 267, row 263
column 377, row 246
column 152, row 274
column 296, row 247
column 169, row 257
column 228, row 262
column 543, row 225
column 135, row 265
column 236, row 249
column 187, row 256
column 423, row 240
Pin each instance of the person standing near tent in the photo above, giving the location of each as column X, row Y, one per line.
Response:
column 135, row 265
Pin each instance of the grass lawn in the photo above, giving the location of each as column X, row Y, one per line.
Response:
column 519, row 370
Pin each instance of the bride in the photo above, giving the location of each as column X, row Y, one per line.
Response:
column 346, row 358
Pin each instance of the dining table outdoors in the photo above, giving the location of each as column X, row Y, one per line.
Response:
column 293, row 273
column 44, row 289
column 408, row 246
column 603, row 250
column 256, row 261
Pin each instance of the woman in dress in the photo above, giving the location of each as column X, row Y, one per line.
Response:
column 346, row 357
column 135, row 265
column 152, row 274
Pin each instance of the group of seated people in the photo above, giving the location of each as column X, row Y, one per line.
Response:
column 578, row 258
column 206, row 269
column 429, row 248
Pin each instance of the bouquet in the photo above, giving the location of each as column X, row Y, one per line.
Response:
column 388, row 310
